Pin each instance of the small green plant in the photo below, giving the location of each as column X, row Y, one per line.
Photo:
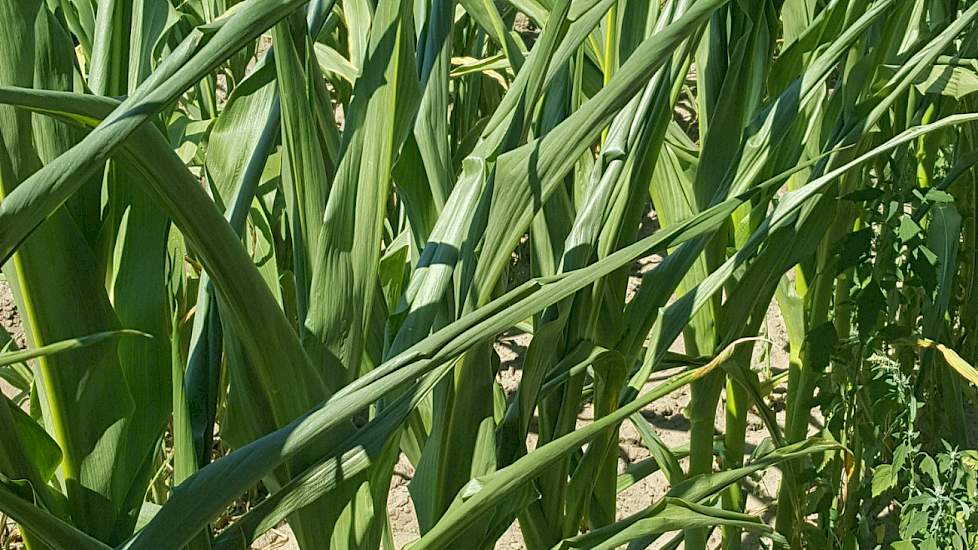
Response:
column 940, row 511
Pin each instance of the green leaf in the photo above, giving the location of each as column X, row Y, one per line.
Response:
column 694, row 490
column 83, row 393
column 908, row 229
column 11, row 358
column 669, row 514
column 884, row 478
column 956, row 81
column 47, row 528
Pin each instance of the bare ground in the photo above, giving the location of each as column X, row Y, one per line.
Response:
column 13, row 328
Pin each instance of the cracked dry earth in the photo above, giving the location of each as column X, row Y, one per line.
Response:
column 665, row 415
column 13, row 329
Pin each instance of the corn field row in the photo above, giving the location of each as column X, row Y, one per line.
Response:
column 262, row 251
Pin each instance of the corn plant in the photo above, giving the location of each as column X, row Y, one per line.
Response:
column 264, row 247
